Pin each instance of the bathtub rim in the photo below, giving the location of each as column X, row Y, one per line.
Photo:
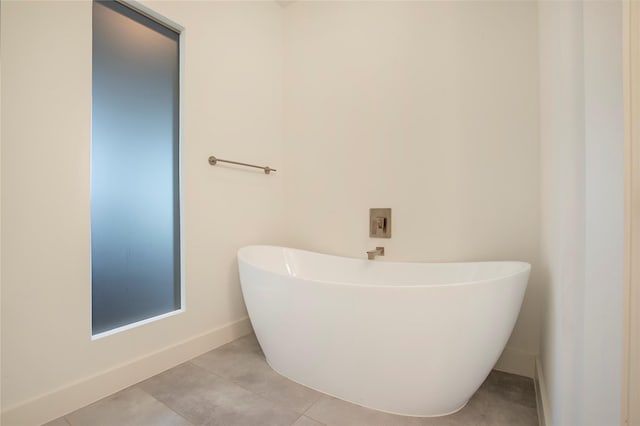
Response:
column 526, row 268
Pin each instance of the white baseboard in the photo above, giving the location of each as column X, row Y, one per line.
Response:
column 76, row 395
column 515, row 361
column 542, row 398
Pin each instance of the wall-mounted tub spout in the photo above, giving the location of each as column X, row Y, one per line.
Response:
column 379, row 251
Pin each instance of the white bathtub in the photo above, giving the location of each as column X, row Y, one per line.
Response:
column 415, row 339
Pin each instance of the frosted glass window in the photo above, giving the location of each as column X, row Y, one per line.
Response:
column 135, row 209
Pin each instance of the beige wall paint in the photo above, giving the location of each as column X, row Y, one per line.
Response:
column 429, row 108
column 581, row 135
column 233, row 108
column 631, row 332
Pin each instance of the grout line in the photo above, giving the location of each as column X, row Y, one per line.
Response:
column 296, row 420
column 206, row 370
column 308, row 417
column 314, row 419
column 261, row 396
column 264, row 395
column 314, row 402
column 227, row 379
column 161, row 402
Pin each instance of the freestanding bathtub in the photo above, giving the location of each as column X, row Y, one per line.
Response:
column 414, row 339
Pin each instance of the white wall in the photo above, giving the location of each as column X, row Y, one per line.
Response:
column 430, row 108
column 562, row 177
column 604, row 212
column 581, row 133
column 233, row 108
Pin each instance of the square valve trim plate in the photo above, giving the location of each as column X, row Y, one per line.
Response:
column 380, row 223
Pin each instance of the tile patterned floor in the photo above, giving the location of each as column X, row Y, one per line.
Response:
column 234, row 386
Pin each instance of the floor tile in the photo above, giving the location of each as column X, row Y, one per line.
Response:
column 206, row 399
column 248, row 368
column 306, row 421
column 488, row 407
column 130, row 407
column 248, row 342
column 279, row 389
column 500, row 411
column 61, row 421
column 234, row 386
column 473, row 414
column 512, row 388
column 225, row 360
column 336, row 412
